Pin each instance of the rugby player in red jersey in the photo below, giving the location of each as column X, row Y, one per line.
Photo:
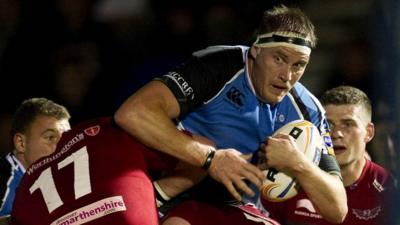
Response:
column 99, row 174
column 369, row 187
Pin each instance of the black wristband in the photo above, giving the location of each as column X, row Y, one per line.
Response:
column 209, row 158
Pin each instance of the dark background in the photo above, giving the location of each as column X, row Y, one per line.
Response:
column 90, row 55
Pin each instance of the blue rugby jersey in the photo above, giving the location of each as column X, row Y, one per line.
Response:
column 218, row 101
column 11, row 175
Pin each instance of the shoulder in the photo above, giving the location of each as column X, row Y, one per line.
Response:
column 376, row 179
column 89, row 127
column 302, row 95
column 202, row 76
column 222, row 57
column 377, row 172
column 101, row 121
column 309, row 106
column 94, row 132
column 230, row 50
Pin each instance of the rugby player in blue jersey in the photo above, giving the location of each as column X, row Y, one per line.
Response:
column 237, row 96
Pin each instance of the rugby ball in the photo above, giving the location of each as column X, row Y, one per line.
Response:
column 280, row 185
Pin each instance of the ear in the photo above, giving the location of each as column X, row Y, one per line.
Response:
column 370, row 132
column 254, row 51
column 19, row 142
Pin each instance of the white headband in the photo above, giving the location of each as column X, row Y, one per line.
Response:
column 287, row 39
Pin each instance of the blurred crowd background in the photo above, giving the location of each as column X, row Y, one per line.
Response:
column 89, row 55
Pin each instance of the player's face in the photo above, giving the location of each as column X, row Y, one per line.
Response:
column 43, row 136
column 350, row 132
column 275, row 71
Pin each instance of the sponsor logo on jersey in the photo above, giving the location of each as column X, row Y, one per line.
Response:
column 366, row 214
column 328, row 143
column 304, row 207
column 324, row 126
column 92, row 131
column 92, row 211
column 65, row 148
column 235, row 96
column 186, row 89
column 281, row 117
column 378, row 186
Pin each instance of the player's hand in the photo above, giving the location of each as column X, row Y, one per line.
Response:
column 229, row 168
column 281, row 152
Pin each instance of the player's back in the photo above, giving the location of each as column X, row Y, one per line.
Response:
column 96, row 176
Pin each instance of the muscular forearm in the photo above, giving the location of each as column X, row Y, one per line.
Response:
column 326, row 191
column 148, row 117
column 148, row 114
column 160, row 133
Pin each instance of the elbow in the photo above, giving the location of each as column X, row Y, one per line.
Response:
column 340, row 215
column 120, row 116
column 126, row 117
column 335, row 210
column 343, row 214
column 337, row 213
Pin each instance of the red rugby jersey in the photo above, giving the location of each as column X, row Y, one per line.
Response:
column 369, row 201
column 98, row 175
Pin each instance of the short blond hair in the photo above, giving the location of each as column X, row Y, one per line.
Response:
column 31, row 108
column 347, row 95
column 288, row 19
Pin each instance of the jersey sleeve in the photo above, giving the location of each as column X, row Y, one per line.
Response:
column 328, row 160
column 313, row 111
column 202, row 76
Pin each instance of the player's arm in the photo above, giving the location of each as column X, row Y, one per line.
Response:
column 324, row 189
column 148, row 114
column 183, row 177
column 178, row 181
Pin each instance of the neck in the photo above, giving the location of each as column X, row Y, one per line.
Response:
column 352, row 171
column 21, row 158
